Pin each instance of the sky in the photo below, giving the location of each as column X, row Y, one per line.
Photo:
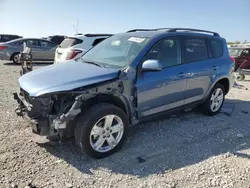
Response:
column 41, row 18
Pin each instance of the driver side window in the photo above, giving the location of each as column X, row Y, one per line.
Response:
column 245, row 53
column 167, row 51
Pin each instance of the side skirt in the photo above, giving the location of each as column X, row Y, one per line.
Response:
column 162, row 115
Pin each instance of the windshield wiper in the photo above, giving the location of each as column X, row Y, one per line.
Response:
column 92, row 62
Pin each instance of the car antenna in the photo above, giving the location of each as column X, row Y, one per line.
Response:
column 76, row 29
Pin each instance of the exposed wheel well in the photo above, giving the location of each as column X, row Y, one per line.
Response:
column 101, row 98
column 225, row 83
column 106, row 98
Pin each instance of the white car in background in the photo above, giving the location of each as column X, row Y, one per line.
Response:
column 75, row 46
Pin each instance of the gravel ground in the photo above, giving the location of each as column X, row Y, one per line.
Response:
column 186, row 150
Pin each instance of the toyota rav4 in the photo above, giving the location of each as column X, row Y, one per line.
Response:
column 124, row 80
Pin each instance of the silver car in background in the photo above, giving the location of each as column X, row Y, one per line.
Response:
column 42, row 50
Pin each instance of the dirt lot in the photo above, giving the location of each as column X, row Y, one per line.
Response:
column 186, row 150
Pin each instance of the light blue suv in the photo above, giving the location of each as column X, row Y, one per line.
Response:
column 126, row 79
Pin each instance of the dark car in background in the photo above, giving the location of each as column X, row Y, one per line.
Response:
column 8, row 37
column 56, row 38
column 241, row 56
column 242, row 61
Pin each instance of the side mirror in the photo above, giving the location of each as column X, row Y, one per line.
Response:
column 151, row 65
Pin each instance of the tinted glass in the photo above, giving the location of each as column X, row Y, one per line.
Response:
column 97, row 41
column 195, row 50
column 6, row 38
column 245, row 53
column 216, row 47
column 167, row 51
column 69, row 42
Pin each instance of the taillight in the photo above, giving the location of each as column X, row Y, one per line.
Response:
column 72, row 54
column 232, row 59
column 3, row 47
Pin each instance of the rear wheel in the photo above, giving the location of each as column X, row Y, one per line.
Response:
column 215, row 101
column 15, row 58
column 101, row 130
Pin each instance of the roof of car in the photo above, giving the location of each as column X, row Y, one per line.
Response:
column 163, row 31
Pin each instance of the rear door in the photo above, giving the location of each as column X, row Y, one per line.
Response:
column 202, row 68
column 47, row 50
column 35, row 45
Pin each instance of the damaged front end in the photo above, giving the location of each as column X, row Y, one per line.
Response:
column 48, row 114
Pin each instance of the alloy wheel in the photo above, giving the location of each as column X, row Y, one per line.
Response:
column 216, row 100
column 106, row 133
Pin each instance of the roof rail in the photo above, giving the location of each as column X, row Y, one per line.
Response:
column 195, row 30
column 134, row 30
column 97, row 35
column 175, row 30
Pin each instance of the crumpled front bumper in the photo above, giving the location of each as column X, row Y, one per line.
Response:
column 40, row 124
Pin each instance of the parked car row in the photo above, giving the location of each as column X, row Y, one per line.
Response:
column 48, row 50
column 126, row 79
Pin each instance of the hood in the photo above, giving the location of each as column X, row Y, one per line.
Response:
column 64, row 77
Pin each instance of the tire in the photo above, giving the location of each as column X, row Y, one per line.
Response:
column 85, row 123
column 207, row 106
column 13, row 58
column 240, row 77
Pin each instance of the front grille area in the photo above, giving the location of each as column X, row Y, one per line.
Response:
column 40, row 105
column 26, row 96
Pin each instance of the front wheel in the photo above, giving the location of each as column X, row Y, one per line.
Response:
column 101, row 130
column 215, row 101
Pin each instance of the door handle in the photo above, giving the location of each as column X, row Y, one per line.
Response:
column 181, row 75
column 215, row 68
column 191, row 74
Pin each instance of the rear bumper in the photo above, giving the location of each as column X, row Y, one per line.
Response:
column 4, row 56
column 39, row 126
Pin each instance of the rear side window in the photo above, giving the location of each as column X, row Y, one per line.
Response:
column 33, row 42
column 69, row 42
column 216, row 47
column 195, row 50
column 97, row 41
column 47, row 44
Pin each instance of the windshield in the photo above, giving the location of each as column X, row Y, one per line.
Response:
column 235, row 52
column 118, row 50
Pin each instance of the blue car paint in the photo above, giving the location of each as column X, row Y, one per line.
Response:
column 156, row 91
column 64, row 77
